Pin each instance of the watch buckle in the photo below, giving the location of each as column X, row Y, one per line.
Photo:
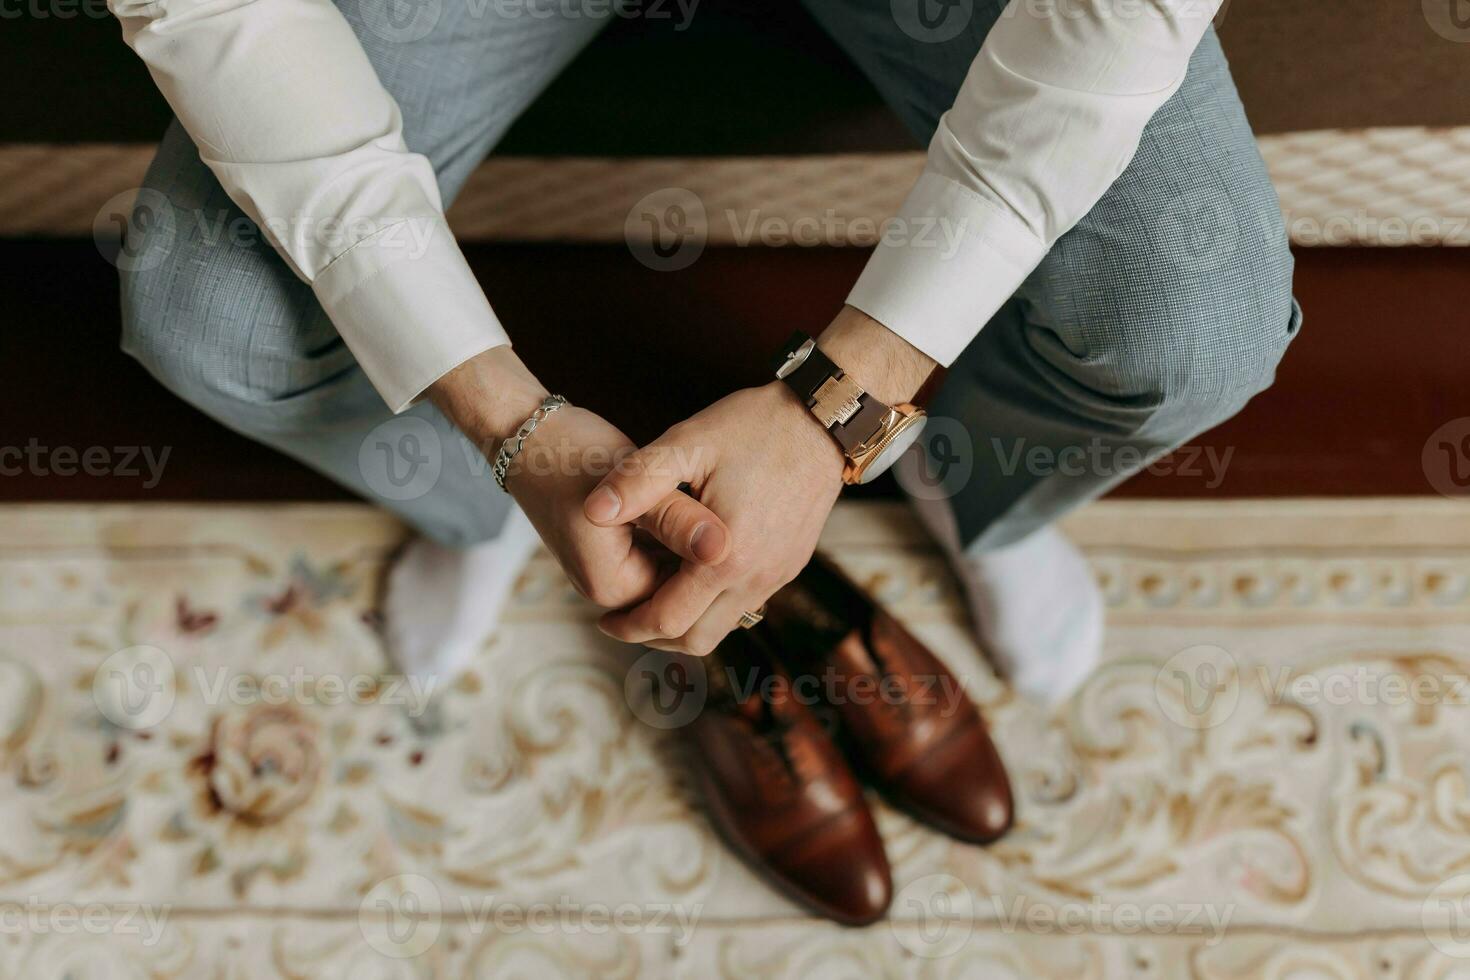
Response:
column 836, row 400
column 795, row 359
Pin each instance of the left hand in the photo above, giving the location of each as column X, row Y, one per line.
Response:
column 763, row 463
column 759, row 460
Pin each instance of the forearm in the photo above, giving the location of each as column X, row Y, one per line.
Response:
column 289, row 114
column 1049, row 115
column 488, row 397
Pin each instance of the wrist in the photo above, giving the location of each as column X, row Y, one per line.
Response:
column 883, row 363
column 796, row 419
column 488, row 397
column 859, row 381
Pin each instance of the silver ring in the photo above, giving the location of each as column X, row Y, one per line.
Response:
column 749, row 619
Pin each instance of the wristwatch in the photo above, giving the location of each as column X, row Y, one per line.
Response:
column 872, row 435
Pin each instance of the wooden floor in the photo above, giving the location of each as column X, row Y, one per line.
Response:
column 1380, row 364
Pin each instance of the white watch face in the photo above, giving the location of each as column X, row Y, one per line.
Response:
column 894, row 449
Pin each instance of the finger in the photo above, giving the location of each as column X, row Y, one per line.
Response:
column 639, row 574
column 641, row 481
column 673, row 609
column 722, row 616
column 614, row 572
column 688, row 528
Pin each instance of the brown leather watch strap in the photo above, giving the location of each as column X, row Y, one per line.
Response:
column 812, row 372
column 852, row 415
column 862, row 426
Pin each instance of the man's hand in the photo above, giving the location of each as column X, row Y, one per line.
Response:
column 772, row 474
column 760, row 460
column 489, row 396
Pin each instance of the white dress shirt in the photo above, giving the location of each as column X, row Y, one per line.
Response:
column 289, row 115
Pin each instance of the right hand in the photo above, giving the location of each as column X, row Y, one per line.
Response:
column 570, row 452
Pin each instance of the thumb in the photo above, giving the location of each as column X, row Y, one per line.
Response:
column 644, row 490
column 688, row 528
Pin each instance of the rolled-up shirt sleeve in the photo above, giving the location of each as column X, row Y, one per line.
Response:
column 1049, row 115
column 288, row 113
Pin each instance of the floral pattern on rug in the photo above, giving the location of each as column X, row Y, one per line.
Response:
column 204, row 751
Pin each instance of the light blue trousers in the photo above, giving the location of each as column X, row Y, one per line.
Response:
column 1156, row 318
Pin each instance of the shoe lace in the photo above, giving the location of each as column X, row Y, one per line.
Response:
column 768, row 725
column 819, row 634
column 774, row 730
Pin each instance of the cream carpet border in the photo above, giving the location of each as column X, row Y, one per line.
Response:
column 1388, row 186
column 1354, row 523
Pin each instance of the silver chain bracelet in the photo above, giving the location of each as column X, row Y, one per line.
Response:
column 511, row 448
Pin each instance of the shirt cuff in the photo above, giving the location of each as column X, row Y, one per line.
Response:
column 946, row 263
column 408, row 307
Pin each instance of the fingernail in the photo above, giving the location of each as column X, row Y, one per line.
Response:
column 603, row 505
column 707, row 542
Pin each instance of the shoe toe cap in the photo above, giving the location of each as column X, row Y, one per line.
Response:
column 964, row 793
column 980, row 812
column 840, row 869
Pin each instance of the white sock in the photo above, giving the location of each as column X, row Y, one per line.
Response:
column 1036, row 606
column 443, row 603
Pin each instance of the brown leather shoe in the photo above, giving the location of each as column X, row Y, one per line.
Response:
column 779, row 791
column 902, row 717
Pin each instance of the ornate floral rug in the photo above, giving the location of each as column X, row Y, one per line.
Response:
column 207, row 771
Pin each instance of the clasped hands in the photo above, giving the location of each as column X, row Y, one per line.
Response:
column 676, row 569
